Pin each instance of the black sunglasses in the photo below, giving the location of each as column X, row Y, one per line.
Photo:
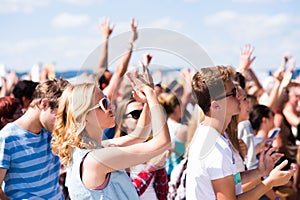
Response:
column 232, row 93
column 135, row 114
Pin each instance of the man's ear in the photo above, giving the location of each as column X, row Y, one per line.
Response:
column 264, row 119
column 44, row 103
column 215, row 105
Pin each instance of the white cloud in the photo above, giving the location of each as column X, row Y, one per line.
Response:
column 67, row 52
column 271, row 35
column 24, row 6
column 67, row 20
column 252, row 25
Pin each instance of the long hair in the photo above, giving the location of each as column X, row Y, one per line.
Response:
column 232, row 132
column 70, row 121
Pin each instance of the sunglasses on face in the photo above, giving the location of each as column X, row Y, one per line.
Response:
column 232, row 93
column 135, row 114
column 104, row 105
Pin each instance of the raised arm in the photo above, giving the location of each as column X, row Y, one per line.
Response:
column 122, row 64
column 114, row 158
column 187, row 91
column 140, row 134
column 106, row 30
column 3, row 87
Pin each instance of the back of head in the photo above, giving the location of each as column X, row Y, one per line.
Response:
column 208, row 84
column 24, row 88
column 10, row 110
column 51, row 90
column 105, row 79
column 257, row 113
column 169, row 101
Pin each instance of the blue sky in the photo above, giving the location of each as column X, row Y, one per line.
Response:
column 65, row 32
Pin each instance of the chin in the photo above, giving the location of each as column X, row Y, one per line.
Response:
column 112, row 125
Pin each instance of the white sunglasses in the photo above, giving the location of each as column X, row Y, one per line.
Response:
column 104, row 104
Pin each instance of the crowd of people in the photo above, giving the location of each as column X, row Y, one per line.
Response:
column 123, row 136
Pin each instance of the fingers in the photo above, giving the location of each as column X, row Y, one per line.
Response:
column 134, row 24
column 270, row 151
column 282, row 165
column 276, row 157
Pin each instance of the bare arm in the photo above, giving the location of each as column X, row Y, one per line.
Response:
column 187, row 91
column 102, row 161
column 276, row 178
column 292, row 118
column 137, row 153
column 140, row 134
column 106, row 31
column 2, row 175
column 3, row 87
column 123, row 63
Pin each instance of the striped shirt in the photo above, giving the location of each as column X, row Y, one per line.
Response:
column 32, row 169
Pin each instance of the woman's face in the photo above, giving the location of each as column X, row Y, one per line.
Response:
column 103, row 113
column 131, row 116
column 244, row 103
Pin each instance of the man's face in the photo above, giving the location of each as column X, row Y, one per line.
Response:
column 232, row 101
column 47, row 118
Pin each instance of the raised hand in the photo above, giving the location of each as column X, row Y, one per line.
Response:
column 134, row 30
column 106, row 28
column 246, row 58
column 145, row 66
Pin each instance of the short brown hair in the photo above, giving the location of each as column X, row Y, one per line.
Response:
column 208, row 84
column 50, row 89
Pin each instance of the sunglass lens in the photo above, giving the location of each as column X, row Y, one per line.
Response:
column 105, row 104
column 136, row 114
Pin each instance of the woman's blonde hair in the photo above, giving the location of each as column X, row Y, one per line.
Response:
column 71, row 121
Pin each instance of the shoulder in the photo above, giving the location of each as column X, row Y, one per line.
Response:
column 205, row 143
column 10, row 131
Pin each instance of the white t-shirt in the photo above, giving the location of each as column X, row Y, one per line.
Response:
column 245, row 132
column 210, row 158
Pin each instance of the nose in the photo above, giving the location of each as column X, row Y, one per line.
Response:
column 112, row 107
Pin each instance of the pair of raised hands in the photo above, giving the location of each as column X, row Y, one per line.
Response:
column 106, row 28
column 141, row 81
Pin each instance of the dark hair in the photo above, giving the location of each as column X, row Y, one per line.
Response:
column 257, row 113
column 24, row 88
column 238, row 77
column 103, row 79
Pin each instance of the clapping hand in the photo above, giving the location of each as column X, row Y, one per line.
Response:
column 140, row 80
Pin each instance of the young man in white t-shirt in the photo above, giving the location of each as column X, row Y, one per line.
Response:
column 211, row 170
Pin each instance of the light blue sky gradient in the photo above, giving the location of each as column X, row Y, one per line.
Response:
column 65, row 32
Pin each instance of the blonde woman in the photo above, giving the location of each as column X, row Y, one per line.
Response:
column 95, row 167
